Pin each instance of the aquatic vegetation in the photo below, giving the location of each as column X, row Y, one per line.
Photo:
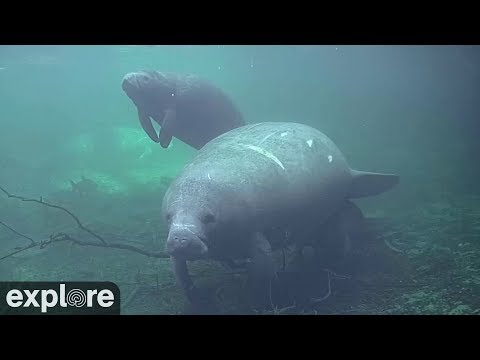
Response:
column 134, row 140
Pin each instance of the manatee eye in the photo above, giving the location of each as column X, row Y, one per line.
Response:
column 208, row 218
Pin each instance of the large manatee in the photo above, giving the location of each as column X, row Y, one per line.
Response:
column 250, row 180
column 185, row 106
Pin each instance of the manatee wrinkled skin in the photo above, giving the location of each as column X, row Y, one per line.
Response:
column 184, row 105
column 254, row 178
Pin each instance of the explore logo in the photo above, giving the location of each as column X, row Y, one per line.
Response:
column 67, row 298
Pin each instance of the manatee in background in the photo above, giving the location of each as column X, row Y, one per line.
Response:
column 252, row 179
column 185, row 106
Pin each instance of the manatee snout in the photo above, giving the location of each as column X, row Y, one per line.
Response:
column 183, row 242
column 130, row 83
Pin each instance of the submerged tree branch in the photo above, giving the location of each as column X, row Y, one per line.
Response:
column 16, row 232
column 311, row 301
column 65, row 237
column 19, row 250
column 120, row 246
column 80, row 225
column 392, row 247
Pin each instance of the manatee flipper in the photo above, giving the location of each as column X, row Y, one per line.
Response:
column 345, row 231
column 351, row 222
column 261, row 271
column 182, row 276
column 261, row 265
column 370, row 184
column 200, row 300
column 147, row 125
column 165, row 136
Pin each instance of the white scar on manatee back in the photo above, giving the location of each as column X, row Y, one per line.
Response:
column 183, row 226
column 272, row 156
column 266, row 154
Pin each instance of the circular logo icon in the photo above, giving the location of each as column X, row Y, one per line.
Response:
column 76, row 297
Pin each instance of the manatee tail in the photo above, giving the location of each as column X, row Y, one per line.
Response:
column 369, row 184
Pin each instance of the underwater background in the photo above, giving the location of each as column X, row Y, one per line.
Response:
column 408, row 110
